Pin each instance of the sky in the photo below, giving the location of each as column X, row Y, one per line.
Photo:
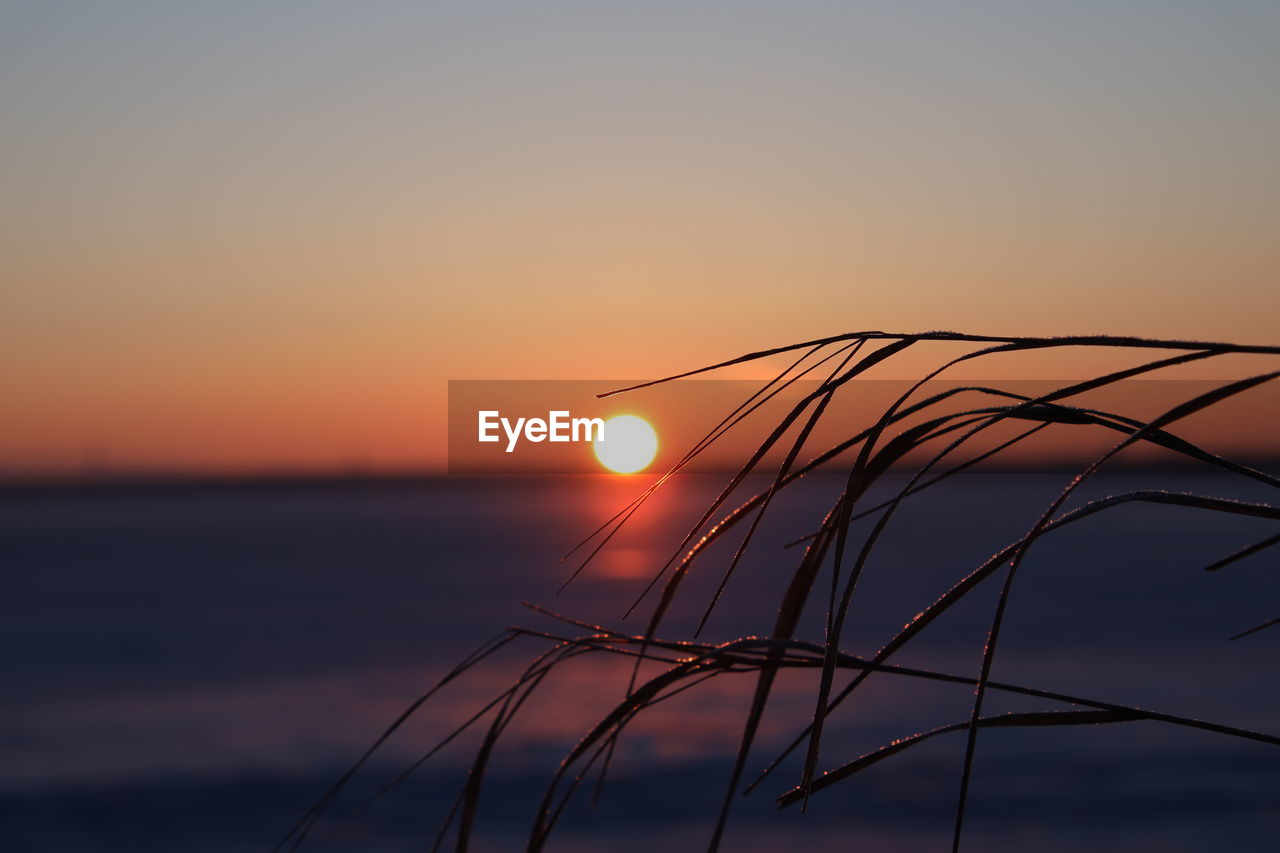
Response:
column 244, row 237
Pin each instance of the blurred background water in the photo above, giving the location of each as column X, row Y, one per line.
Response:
column 187, row 667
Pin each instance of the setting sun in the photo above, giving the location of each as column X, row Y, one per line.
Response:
column 628, row 446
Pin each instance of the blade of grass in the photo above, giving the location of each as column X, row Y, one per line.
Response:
column 1178, row 412
column 1248, row 551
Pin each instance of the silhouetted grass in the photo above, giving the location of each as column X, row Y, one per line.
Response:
column 875, row 449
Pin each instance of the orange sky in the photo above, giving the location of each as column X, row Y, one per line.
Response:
column 252, row 239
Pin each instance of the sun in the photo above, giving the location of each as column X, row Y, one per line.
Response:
column 629, row 444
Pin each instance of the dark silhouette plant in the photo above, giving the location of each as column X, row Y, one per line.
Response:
column 904, row 429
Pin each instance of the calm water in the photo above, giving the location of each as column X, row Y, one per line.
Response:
column 188, row 668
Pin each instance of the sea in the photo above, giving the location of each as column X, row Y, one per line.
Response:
column 189, row 666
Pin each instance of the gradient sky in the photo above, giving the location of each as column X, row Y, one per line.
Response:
column 240, row 236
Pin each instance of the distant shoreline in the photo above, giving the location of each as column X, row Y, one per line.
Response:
column 107, row 484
